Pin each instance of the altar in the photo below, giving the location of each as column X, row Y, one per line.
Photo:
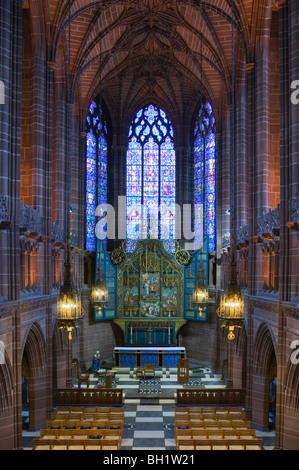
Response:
column 139, row 356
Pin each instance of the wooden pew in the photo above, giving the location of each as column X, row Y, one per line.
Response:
column 215, row 434
column 221, row 444
column 212, row 425
column 71, row 416
column 81, row 433
column 208, row 409
column 211, row 417
column 93, row 424
column 89, row 409
column 74, row 444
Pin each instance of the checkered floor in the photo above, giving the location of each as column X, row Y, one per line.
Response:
column 161, row 388
column 149, row 427
column 149, row 406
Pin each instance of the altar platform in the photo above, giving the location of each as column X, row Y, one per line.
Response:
column 139, row 356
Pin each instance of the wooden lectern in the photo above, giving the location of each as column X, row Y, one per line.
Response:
column 183, row 371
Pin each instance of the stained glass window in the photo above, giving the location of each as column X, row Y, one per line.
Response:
column 96, row 170
column 151, row 176
column 205, row 177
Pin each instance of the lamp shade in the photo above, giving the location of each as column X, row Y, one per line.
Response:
column 201, row 296
column 69, row 306
column 100, row 294
column 69, row 310
column 232, row 305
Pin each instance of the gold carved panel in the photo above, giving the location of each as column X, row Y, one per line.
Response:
column 150, row 283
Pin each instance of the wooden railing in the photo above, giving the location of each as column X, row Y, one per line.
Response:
column 211, row 397
column 85, row 396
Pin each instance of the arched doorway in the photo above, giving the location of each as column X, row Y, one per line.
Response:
column 264, row 379
column 34, row 377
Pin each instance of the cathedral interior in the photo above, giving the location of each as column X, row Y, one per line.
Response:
column 149, row 215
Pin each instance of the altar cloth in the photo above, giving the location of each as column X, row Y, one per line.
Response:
column 138, row 356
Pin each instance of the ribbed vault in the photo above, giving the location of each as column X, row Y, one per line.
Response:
column 169, row 51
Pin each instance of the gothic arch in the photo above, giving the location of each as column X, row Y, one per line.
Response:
column 264, row 348
column 291, row 384
column 6, row 385
column 34, row 351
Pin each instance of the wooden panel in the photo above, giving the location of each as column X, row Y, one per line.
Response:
column 211, row 396
column 71, row 396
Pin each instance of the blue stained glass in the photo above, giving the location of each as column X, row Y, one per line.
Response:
column 138, row 130
column 151, row 176
column 147, row 131
column 92, row 107
column 205, row 177
column 151, row 113
column 96, row 171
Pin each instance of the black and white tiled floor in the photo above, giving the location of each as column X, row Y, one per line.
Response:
column 149, row 407
column 149, row 427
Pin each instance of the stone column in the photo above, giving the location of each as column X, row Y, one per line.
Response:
column 219, row 208
column 116, row 189
column 241, row 157
column 263, row 104
column 251, row 151
column 184, row 194
column 284, row 79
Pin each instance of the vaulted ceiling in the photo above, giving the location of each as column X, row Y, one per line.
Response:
column 169, row 51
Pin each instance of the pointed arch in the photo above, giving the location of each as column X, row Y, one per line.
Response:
column 96, row 168
column 151, row 176
column 34, row 351
column 6, row 385
column 204, row 142
column 291, row 384
column 264, row 349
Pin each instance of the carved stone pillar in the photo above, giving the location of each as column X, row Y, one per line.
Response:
column 184, row 193
column 117, row 189
column 284, row 80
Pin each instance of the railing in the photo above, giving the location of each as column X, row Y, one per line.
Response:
column 85, row 396
column 211, row 397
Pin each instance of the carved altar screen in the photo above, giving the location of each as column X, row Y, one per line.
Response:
column 150, row 294
column 150, row 284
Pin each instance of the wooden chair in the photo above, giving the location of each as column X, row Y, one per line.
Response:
column 246, row 444
column 185, row 444
column 42, row 444
column 93, row 444
column 81, row 378
column 110, row 444
column 149, row 369
column 76, row 444
column 59, row 444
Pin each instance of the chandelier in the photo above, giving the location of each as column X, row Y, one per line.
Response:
column 201, row 296
column 99, row 292
column 69, row 308
column 232, row 309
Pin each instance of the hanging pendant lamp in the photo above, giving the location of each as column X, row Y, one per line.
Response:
column 231, row 309
column 99, row 292
column 69, row 307
column 201, row 296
